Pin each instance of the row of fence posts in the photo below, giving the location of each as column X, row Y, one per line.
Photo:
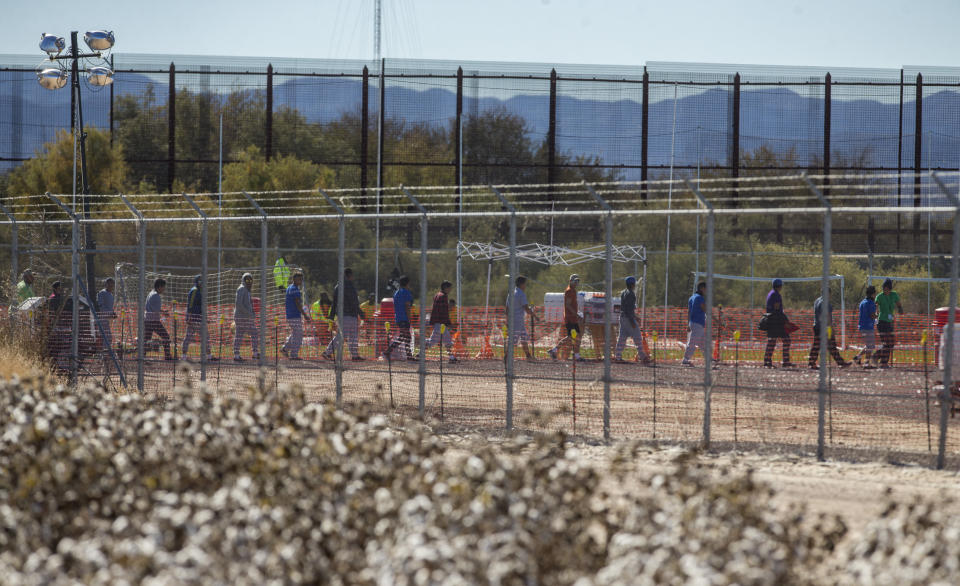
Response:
column 708, row 210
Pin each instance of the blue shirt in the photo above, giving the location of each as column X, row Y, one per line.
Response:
column 153, row 306
column 105, row 300
column 293, row 293
column 695, row 312
column 401, row 297
column 867, row 308
column 772, row 299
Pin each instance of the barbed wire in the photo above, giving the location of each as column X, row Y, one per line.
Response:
column 853, row 193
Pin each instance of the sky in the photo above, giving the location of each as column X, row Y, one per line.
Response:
column 839, row 33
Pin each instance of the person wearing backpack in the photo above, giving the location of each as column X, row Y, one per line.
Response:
column 776, row 326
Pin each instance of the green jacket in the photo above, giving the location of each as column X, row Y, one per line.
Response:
column 281, row 274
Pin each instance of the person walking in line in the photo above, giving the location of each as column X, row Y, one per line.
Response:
column 194, row 318
column 868, row 316
column 152, row 313
column 368, row 307
column 244, row 319
column 777, row 326
column 295, row 313
column 629, row 327
column 25, row 287
column 350, row 320
column 367, row 326
column 887, row 301
column 696, row 324
column 106, row 301
column 520, row 310
column 440, row 316
column 281, row 274
column 319, row 312
column 571, row 321
column 402, row 303
column 831, row 337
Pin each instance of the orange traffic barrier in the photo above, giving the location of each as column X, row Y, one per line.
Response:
column 459, row 350
column 486, row 352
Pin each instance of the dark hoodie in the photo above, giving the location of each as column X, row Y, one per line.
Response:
column 194, row 300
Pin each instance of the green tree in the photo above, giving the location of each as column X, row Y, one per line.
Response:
column 141, row 131
column 252, row 172
column 51, row 168
column 497, row 149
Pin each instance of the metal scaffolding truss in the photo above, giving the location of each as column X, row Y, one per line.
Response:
column 550, row 254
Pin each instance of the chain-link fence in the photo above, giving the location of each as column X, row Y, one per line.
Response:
column 484, row 369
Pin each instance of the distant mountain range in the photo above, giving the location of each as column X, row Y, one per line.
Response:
column 778, row 117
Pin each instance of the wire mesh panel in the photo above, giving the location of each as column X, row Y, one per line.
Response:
column 467, row 371
column 598, row 125
column 691, row 118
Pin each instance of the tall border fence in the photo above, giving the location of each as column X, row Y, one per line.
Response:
column 478, row 378
column 428, row 122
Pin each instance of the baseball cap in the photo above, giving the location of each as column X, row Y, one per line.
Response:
column 630, row 280
column 574, row 277
column 777, row 283
column 888, row 282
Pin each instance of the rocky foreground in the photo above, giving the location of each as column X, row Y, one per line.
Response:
column 199, row 488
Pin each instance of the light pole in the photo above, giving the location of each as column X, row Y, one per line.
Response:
column 55, row 77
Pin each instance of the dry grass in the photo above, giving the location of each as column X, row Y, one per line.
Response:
column 20, row 353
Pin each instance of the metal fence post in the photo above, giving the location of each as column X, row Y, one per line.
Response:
column 74, row 291
column 268, row 124
column 827, row 118
column 263, row 278
column 421, row 404
column 458, row 170
column 508, row 344
column 141, row 284
column 708, row 324
column 364, row 135
column 608, row 307
column 204, row 333
column 341, row 267
column 172, row 128
column 735, row 142
column 918, row 152
column 946, row 402
column 14, row 268
column 825, row 321
column 644, row 130
column 552, row 131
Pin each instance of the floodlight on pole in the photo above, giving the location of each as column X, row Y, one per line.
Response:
column 52, row 45
column 53, row 74
column 52, row 79
column 99, row 40
column 99, row 76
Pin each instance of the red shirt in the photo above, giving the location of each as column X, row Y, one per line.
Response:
column 440, row 314
column 570, row 301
